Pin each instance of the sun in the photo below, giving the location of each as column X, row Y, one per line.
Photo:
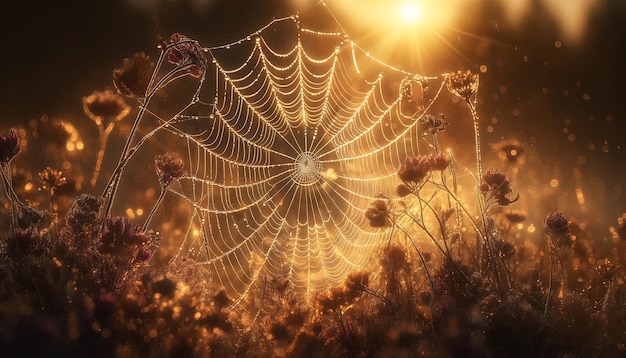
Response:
column 410, row 12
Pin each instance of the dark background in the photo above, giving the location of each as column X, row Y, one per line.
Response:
column 56, row 52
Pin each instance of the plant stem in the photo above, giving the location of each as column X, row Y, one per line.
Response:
column 545, row 309
column 103, row 138
column 154, row 209
column 419, row 253
column 8, row 189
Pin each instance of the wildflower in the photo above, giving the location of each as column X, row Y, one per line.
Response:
column 52, row 179
column 431, row 124
column 439, row 161
column 9, row 146
column 463, row 84
column 332, row 301
column 606, row 269
column 143, row 255
column 133, row 77
column 120, row 234
column 28, row 216
column 379, row 214
column 83, row 213
column 394, row 259
column 356, row 283
column 101, row 105
column 496, row 184
column 415, row 169
column 557, row 227
column 183, row 50
column 24, row 242
column 403, row 190
column 168, row 168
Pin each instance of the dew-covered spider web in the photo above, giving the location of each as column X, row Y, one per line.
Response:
column 304, row 130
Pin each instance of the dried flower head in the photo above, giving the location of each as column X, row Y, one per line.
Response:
column 496, row 186
column 22, row 242
column 9, row 146
column 403, row 190
column 394, row 259
column 120, row 235
column 556, row 226
column 379, row 213
column 332, row 301
column 463, row 84
column 105, row 105
column 606, row 269
column 168, row 168
column 84, row 212
column 357, row 282
column 185, row 51
column 30, row 217
column 415, row 169
column 133, row 77
column 439, row 161
column 144, row 254
column 52, row 179
column 431, row 124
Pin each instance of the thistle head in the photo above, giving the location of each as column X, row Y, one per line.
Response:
column 557, row 228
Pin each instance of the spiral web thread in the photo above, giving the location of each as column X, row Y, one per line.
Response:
column 304, row 130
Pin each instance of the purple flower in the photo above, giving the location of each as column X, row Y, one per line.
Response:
column 9, row 146
column 168, row 168
column 183, row 50
column 556, row 226
column 120, row 234
column 415, row 169
column 498, row 187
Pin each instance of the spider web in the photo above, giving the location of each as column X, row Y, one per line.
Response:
column 304, row 130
